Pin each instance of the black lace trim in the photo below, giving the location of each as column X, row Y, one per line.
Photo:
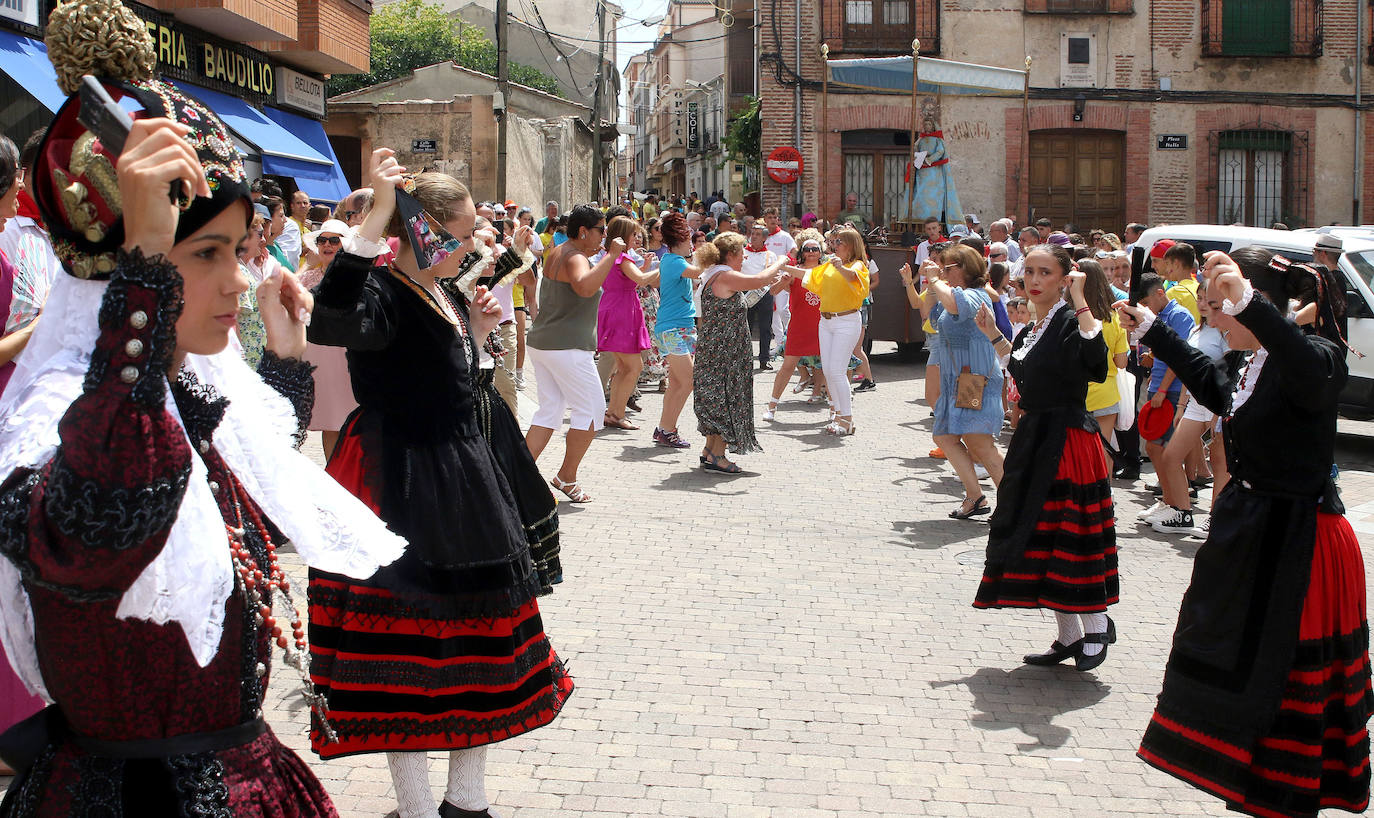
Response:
column 295, row 380
column 156, row 273
column 103, row 517
column 25, row 802
column 15, row 498
column 201, row 407
column 199, row 783
column 99, row 786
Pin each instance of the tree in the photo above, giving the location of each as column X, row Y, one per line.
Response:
column 742, row 140
column 412, row 34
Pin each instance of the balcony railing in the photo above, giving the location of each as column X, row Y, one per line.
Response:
column 884, row 26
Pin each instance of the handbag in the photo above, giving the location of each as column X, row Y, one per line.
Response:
column 753, row 297
column 1125, row 388
column 968, row 393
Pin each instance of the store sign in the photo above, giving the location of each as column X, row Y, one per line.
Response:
column 298, row 90
column 20, row 11
column 693, row 127
column 192, row 56
column 424, row 146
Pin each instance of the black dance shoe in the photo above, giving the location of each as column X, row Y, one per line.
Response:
column 1085, row 662
column 447, row 810
column 1058, row 652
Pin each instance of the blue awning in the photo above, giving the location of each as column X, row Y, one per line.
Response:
column 333, row 187
column 279, row 141
column 25, row 60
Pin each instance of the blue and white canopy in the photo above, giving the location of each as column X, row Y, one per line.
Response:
column 936, row 76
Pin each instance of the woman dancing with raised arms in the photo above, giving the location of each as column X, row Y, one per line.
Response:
column 1052, row 542
column 1267, row 690
column 151, row 476
column 445, row 649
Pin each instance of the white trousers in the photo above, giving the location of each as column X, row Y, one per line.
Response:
column 838, row 336
column 782, row 313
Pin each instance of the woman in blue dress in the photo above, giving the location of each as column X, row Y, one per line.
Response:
column 965, row 425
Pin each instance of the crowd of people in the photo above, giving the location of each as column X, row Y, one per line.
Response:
column 164, row 357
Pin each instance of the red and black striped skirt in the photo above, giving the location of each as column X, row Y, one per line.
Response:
column 1069, row 562
column 1316, row 755
column 409, row 672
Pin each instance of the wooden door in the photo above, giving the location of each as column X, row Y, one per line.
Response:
column 1079, row 177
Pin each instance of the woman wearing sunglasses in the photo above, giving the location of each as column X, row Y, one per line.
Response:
column 803, row 329
column 333, row 392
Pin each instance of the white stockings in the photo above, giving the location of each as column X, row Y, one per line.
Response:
column 1094, row 623
column 1072, row 627
column 1070, row 630
column 467, row 772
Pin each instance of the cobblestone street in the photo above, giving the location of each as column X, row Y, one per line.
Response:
column 799, row 641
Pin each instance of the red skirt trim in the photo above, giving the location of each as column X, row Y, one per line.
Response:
column 1070, row 562
column 1316, row 755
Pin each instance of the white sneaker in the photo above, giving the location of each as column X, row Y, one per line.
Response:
column 1178, row 522
column 1145, row 515
column 1164, row 512
column 1203, row 528
column 520, row 380
column 768, row 413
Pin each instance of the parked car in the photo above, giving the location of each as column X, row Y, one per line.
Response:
column 1357, row 267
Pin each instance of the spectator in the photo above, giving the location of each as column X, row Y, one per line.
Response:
column 544, row 225
column 1044, row 227
column 851, row 215
column 1104, row 400
column 1000, row 231
column 353, row 209
column 1179, row 267
column 931, row 228
column 1163, row 383
column 1132, row 235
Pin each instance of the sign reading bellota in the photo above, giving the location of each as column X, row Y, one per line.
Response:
column 784, row 165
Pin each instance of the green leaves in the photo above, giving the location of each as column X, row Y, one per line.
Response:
column 412, row 34
column 742, row 136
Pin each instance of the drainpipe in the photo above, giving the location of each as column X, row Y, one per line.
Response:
column 1361, row 15
column 797, row 113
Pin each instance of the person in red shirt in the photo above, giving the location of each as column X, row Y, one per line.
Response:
column 803, row 337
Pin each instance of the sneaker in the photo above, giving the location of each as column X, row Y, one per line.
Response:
column 768, row 413
column 866, row 385
column 670, row 439
column 1164, row 512
column 1203, row 527
column 520, row 380
column 1179, row 522
column 1152, row 510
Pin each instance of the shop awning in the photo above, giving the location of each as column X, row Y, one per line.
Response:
column 332, row 186
column 283, row 152
column 25, row 60
column 942, row 76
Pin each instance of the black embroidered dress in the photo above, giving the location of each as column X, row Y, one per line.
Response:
column 1267, row 693
column 139, row 728
column 443, row 649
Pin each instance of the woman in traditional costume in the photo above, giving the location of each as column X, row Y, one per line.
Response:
column 1267, row 691
column 151, row 477
column 444, row 649
column 1052, row 542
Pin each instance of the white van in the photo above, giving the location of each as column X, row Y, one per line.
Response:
column 1357, row 265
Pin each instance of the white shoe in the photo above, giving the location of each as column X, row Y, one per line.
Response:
column 1204, row 526
column 1178, row 522
column 1153, row 510
column 1164, row 512
column 768, row 413
column 520, row 380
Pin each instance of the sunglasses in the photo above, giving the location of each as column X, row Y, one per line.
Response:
column 997, row 255
column 329, row 240
column 811, row 249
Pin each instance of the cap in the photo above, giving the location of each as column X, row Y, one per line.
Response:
column 1329, row 243
column 261, row 210
column 1161, row 247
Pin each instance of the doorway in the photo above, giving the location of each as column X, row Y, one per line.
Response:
column 1078, row 177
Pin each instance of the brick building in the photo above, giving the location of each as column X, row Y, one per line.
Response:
column 1166, row 111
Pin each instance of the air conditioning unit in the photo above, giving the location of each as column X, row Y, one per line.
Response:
column 1078, row 61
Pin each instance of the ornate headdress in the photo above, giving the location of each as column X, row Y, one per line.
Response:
column 74, row 181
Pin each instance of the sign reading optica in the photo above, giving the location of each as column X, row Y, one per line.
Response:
column 784, row 165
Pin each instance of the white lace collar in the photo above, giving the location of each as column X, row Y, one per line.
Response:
column 1037, row 331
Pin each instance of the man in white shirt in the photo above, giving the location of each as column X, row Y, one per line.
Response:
column 757, row 256
column 718, row 207
column 289, row 242
column 1000, row 230
column 932, row 231
column 782, row 244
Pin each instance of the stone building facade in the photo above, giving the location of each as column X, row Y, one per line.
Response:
column 1166, row 111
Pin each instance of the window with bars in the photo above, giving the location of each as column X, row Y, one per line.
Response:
column 1259, row 181
column 1262, row 28
column 887, row 26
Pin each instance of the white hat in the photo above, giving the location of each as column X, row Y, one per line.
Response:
column 332, row 226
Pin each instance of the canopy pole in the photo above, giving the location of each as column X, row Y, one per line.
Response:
column 824, row 145
column 915, row 115
column 1025, row 140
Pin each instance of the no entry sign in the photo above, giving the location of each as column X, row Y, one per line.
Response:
column 784, row 165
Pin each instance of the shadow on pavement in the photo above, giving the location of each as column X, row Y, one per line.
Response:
column 1028, row 698
column 932, row 535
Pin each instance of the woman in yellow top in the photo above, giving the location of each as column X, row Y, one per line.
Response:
column 1104, row 401
column 842, row 284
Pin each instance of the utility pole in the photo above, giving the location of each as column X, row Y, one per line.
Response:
column 503, row 88
column 596, row 99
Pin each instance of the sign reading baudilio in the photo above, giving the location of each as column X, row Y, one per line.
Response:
column 784, row 165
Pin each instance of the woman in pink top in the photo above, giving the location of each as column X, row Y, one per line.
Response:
column 620, row 329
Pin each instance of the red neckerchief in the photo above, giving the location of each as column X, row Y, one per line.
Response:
column 29, row 208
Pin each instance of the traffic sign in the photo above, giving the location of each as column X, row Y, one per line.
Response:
column 784, row 165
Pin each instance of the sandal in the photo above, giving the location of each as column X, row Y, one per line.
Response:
column 840, row 426
column 572, row 490
column 768, row 413
column 619, row 423
column 711, row 462
column 801, row 386
column 980, row 506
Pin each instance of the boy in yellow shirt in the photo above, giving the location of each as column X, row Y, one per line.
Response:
column 1179, row 266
